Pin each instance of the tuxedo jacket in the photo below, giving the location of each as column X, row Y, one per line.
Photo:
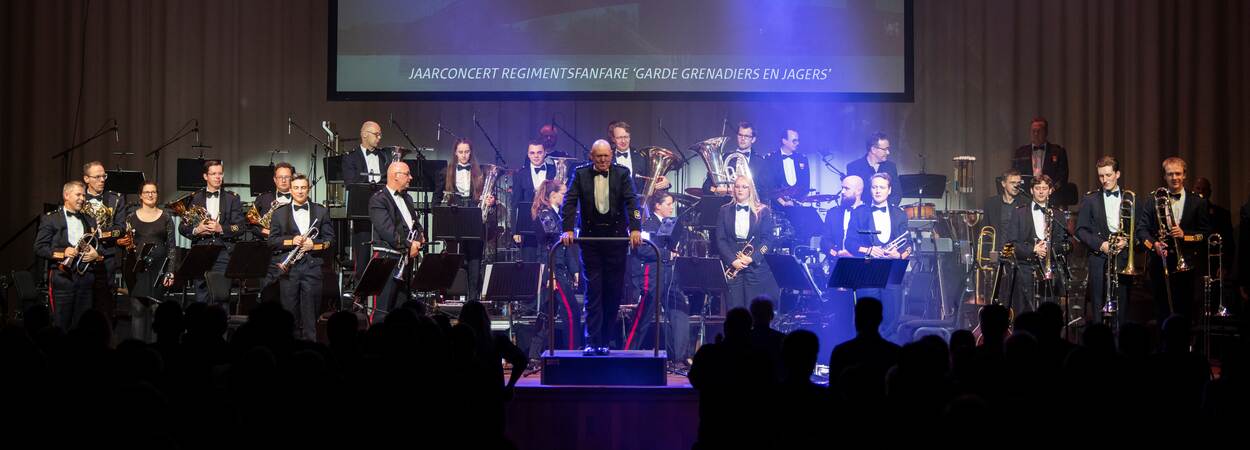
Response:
column 651, row 225
column 641, row 166
column 1054, row 163
column 760, row 234
column 523, row 188
column 231, row 218
column 775, row 173
column 1194, row 220
column 862, row 169
column 354, row 165
column 52, row 237
column 389, row 229
column 1020, row 232
column 1091, row 221
column 623, row 214
column 862, row 220
column 994, row 209
column 283, row 229
column 834, row 238
column 547, row 229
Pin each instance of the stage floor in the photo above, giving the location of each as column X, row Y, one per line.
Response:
column 603, row 417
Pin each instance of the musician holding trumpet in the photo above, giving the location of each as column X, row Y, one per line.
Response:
column 396, row 234
column 302, row 233
column 743, row 237
column 64, row 240
column 879, row 230
column 1173, row 225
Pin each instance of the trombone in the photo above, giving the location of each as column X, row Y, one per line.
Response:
column 1128, row 206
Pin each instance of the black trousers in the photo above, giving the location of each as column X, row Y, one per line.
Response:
column 1028, row 290
column 394, row 293
column 753, row 281
column 362, row 234
column 677, row 338
column 69, row 296
column 1185, row 295
column 567, row 309
column 605, row 282
column 473, row 269
column 1098, row 289
column 201, row 284
column 301, row 295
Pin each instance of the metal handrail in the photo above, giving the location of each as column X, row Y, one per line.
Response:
column 551, row 308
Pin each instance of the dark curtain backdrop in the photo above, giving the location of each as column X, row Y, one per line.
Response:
column 1140, row 80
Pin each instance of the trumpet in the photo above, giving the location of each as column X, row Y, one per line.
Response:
column 893, row 245
column 747, row 250
column 78, row 263
column 1163, row 212
column 297, row 253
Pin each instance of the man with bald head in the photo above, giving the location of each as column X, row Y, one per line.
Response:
column 838, row 218
column 601, row 194
column 360, row 167
column 393, row 217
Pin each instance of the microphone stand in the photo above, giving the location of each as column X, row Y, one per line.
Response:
column 824, row 159
column 320, row 144
column 498, row 156
column 178, row 135
column 415, row 148
column 104, row 129
column 585, row 149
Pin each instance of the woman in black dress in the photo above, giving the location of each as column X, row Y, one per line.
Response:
column 150, row 252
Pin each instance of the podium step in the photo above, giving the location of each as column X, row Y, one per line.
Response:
column 620, row 368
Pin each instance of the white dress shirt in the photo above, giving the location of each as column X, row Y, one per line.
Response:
column 74, row 228
column 1039, row 221
column 881, row 221
column 213, row 205
column 742, row 221
column 787, row 164
column 538, row 177
column 1178, row 206
column 1112, row 207
column 601, row 192
column 302, row 216
column 624, row 159
column 373, row 164
column 403, row 208
column 463, row 181
column 1039, row 159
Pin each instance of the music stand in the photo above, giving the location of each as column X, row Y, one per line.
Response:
column 333, row 166
column 706, row 275
column 124, row 181
column 923, row 185
column 190, row 173
column 511, row 281
column 524, row 222
column 371, row 281
column 358, row 195
column 866, row 273
column 457, row 223
column 199, row 259
column 437, row 272
column 792, row 275
column 260, row 180
column 248, row 260
column 708, row 210
column 424, row 174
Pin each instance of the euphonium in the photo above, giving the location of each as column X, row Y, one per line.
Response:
column 736, row 163
column 710, row 151
column 662, row 160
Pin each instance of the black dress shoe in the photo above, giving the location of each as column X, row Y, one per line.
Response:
column 590, row 351
column 602, row 351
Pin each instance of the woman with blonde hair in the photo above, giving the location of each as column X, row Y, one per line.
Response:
column 746, row 220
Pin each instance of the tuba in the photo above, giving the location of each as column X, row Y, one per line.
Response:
column 710, row 150
column 488, row 188
column 662, row 161
column 736, row 164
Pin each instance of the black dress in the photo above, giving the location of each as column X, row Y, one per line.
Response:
column 141, row 269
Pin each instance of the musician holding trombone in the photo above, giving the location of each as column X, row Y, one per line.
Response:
column 302, row 233
column 1105, row 225
column 1037, row 237
column 1168, row 220
column 879, row 230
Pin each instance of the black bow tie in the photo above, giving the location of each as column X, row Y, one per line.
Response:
column 1176, row 196
column 601, row 174
column 878, row 208
column 460, row 167
column 743, row 208
column 538, row 170
column 399, row 194
column 1112, row 193
column 1037, row 207
column 286, row 195
column 370, row 152
column 76, row 215
column 622, row 153
column 91, row 196
column 212, row 194
column 301, row 207
column 787, row 156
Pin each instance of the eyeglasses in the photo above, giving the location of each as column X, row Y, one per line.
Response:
column 148, row 193
column 282, row 178
column 98, row 177
column 378, row 134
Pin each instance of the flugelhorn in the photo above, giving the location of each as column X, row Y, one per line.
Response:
column 297, row 253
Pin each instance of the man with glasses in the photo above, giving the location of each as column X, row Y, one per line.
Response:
column 94, row 176
column 362, row 167
column 282, row 173
column 639, row 165
column 876, row 160
column 755, row 164
column 223, row 225
column 393, row 218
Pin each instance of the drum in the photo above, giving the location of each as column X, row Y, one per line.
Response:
column 920, row 211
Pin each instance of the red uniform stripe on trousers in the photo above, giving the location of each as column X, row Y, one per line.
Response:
column 568, row 311
column 51, row 300
column 646, row 286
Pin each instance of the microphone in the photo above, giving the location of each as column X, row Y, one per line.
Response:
column 196, row 130
column 116, row 138
column 438, row 134
column 288, row 124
